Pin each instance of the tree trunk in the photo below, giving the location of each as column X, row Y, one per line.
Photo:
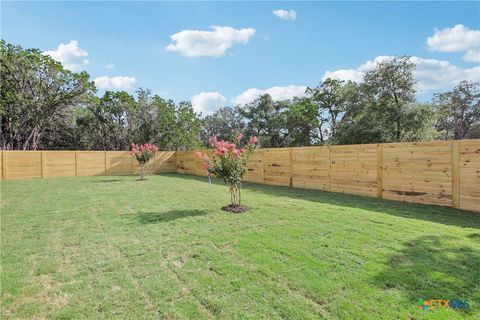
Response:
column 235, row 195
column 142, row 166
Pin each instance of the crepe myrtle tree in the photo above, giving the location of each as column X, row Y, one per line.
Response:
column 143, row 154
column 229, row 163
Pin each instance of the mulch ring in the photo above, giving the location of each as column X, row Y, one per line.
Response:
column 235, row 208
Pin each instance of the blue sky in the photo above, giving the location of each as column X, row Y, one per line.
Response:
column 126, row 45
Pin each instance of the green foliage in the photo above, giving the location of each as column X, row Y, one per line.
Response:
column 303, row 123
column 383, row 107
column 330, row 97
column 223, row 124
column 37, row 95
column 266, row 119
column 45, row 106
column 106, row 121
column 459, row 111
column 186, row 129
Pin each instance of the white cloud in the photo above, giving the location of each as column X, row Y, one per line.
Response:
column 433, row 74
column 355, row 75
column 430, row 74
column 208, row 102
column 457, row 39
column 196, row 43
column 277, row 94
column 285, row 14
column 125, row 83
column 70, row 55
column 472, row 55
column 110, row 66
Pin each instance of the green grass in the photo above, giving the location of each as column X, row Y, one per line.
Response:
column 115, row 247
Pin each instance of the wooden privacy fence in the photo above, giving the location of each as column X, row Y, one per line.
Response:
column 51, row 164
column 439, row 172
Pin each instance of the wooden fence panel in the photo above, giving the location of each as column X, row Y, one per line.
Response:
column 119, row 163
column 180, row 155
column 276, row 167
column 255, row 167
column 91, row 163
column 418, row 172
column 2, row 169
column 22, row 164
column 191, row 167
column 58, row 164
column 165, row 161
column 469, row 175
column 310, row 168
column 162, row 161
column 353, row 169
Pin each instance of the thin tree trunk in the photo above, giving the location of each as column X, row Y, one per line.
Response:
column 239, row 195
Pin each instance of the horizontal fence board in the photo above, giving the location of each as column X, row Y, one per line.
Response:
column 91, row 163
column 469, row 174
column 255, row 167
column 58, row 164
column 119, row 163
column 23, row 164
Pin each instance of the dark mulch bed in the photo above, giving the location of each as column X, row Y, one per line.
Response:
column 235, row 208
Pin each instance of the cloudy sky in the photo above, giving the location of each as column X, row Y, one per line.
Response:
column 221, row 54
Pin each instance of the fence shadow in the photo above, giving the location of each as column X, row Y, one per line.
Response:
column 166, row 216
column 431, row 267
column 106, row 180
column 431, row 213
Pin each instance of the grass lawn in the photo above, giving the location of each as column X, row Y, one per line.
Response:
column 115, row 247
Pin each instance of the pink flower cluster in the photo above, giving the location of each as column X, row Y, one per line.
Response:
column 223, row 147
column 138, row 150
column 226, row 148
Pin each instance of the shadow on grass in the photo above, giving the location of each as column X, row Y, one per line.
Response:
column 107, row 180
column 474, row 236
column 431, row 267
column 430, row 213
column 166, row 216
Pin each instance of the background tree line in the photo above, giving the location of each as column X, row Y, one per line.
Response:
column 45, row 106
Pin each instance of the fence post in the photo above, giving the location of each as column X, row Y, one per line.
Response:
column 455, row 174
column 379, row 171
column 329, row 165
column 263, row 166
column 291, row 166
column 4, row 167
column 154, row 163
column 105, row 163
column 76, row 164
column 176, row 161
column 42, row 163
